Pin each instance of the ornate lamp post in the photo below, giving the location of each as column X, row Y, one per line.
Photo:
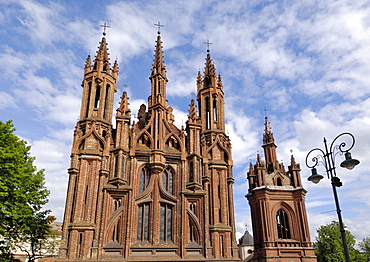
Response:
column 327, row 158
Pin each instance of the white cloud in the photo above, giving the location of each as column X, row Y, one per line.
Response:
column 6, row 100
column 43, row 22
column 243, row 136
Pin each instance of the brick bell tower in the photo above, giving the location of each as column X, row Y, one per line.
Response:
column 277, row 201
column 147, row 190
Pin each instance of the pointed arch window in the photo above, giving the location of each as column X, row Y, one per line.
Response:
column 283, row 224
column 279, row 181
column 167, row 178
column 208, row 114
column 144, row 178
column 215, row 110
column 88, row 99
column 97, row 97
column 106, row 101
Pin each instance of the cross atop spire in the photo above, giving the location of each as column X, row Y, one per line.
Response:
column 208, row 43
column 159, row 27
column 265, row 109
column 105, row 27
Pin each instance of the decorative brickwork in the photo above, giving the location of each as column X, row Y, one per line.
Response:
column 147, row 190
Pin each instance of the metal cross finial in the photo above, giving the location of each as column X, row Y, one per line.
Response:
column 208, row 43
column 159, row 27
column 105, row 27
column 265, row 111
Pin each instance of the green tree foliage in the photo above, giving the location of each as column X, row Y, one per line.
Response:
column 22, row 194
column 329, row 247
column 365, row 247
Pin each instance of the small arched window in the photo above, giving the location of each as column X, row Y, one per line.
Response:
column 144, row 178
column 282, row 222
column 116, row 203
column 279, row 181
column 167, row 178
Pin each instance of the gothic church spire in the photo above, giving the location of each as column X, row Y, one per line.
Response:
column 158, row 77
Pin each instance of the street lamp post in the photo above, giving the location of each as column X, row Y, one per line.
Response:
column 327, row 158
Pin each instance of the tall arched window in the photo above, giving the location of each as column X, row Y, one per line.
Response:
column 208, row 114
column 143, row 222
column 214, row 110
column 166, row 223
column 97, row 97
column 88, row 99
column 106, row 101
column 144, row 178
column 167, row 178
column 282, row 224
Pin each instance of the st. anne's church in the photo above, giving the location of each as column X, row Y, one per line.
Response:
column 149, row 191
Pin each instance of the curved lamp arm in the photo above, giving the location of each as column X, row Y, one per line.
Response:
column 316, row 159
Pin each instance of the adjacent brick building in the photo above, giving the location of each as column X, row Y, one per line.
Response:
column 277, row 201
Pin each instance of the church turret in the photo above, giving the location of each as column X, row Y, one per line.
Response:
column 211, row 98
column 99, row 86
column 277, row 202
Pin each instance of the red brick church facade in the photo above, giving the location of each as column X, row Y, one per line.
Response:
column 147, row 190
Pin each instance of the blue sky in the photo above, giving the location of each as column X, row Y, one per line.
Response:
column 306, row 62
